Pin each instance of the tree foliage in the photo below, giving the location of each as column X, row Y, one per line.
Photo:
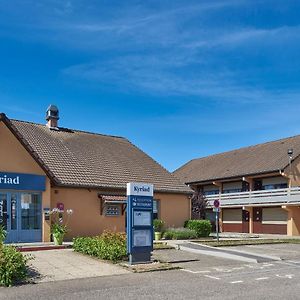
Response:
column 199, row 204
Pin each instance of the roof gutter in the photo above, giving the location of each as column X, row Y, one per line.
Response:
column 233, row 177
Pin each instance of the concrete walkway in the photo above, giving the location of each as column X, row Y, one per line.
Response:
column 55, row 265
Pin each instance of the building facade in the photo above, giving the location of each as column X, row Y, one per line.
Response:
column 46, row 166
column 258, row 187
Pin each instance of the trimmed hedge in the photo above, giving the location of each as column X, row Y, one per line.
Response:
column 202, row 227
column 109, row 246
column 179, row 234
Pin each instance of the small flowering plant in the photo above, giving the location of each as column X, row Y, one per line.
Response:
column 59, row 227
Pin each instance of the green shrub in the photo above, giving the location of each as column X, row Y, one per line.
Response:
column 179, row 234
column 12, row 266
column 2, row 235
column 202, row 227
column 158, row 225
column 109, row 246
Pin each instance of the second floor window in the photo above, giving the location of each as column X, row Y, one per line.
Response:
column 232, row 191
column 275, row 186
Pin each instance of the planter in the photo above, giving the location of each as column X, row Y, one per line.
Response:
column 58, row 239
column 157, row 236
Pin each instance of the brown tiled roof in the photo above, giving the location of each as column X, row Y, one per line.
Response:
column 263, row 158
column 83, row 159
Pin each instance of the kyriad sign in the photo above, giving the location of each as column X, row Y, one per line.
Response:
column 24, row 182
column 139, row 189
column 139, row 222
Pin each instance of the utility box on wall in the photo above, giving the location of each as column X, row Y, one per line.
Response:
column 139, row 222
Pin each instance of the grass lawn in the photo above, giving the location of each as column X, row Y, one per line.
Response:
column 227, row 243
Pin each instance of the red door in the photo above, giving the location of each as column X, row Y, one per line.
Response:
column 257, row 220
column 245, row 221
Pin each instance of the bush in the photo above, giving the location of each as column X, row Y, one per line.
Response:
column 109, row 245
column 180, row 234
column 2, row 235
column 12, row 265
column 158, row 225
column 202, row 227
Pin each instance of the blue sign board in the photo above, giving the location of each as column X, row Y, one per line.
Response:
column 24, row 182
column 139, row 222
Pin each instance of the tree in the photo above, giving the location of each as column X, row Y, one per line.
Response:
column 199, row 204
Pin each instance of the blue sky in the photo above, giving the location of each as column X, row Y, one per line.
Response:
column 180, row 79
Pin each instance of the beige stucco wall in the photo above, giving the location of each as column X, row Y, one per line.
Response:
column 174, row 209
column 86, row 220
column 15, row 158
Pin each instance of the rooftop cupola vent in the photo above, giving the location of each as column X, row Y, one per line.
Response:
column 52, row 117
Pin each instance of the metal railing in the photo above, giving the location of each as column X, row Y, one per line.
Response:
column 271, row 197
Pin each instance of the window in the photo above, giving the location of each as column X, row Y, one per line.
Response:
column 155, row 209
column 30, row 211
column 112, row 210
column 275, row 186
column 232, row 191
column 214, row 192
column 232, row 215
column 274, row 215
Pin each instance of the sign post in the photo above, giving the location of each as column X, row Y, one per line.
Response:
column 217, row 210
column 139, row 222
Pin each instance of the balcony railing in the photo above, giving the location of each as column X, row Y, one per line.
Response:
column 265, row 197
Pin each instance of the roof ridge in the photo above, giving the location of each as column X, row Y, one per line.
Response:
column 75, row 130
column 241, row 148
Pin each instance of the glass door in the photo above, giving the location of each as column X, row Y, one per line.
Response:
column 3, row 210
column 21, row 216
column 30, row 220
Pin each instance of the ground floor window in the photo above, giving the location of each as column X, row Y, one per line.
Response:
column 155, row 209
column 232, row 215
column 274, row 215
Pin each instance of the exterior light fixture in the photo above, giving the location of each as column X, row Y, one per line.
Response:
column 290, row 153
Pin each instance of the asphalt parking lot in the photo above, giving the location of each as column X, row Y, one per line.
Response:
column 284, row 251
column 201, row 276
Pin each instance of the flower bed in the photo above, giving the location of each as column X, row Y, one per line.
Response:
column 109, row 246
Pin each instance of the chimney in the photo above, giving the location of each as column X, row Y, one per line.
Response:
column 52, row 117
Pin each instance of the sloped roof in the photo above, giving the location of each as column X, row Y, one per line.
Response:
column 262, row 158
column 83, row 159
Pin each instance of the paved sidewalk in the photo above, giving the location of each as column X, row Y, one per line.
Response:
column 55, row 265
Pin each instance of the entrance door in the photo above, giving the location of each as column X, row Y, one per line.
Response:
column 21, row 216
column 3, row 210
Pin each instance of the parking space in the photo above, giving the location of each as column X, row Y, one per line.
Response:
column 247, row 273
column 284, row 251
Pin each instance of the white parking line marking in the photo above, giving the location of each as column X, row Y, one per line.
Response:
column 238, row 281
column 289, row 276
column 238, row 268
column 262, row 278
column 194, row 272
column 212, row 277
